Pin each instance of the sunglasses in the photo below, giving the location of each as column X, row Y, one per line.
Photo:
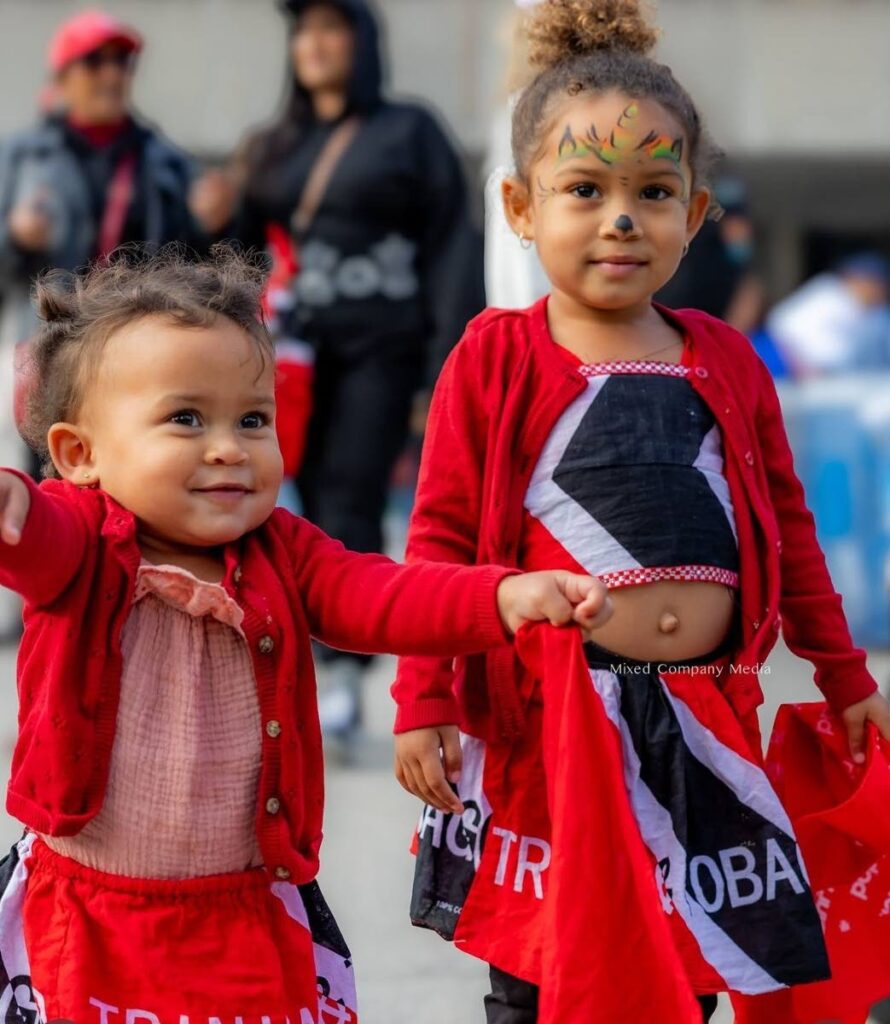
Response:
column 122, row 59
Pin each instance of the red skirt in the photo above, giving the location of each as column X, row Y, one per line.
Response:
column 94, row 948
column 631, row 832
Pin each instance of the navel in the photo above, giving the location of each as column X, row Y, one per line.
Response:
column 668, row 623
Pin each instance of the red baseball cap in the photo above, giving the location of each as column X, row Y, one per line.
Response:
column 88, row 31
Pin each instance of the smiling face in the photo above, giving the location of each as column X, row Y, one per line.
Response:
column 178, row 427
column 610, row 202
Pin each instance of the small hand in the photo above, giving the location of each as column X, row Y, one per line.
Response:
column 557, row 597
column 15, row 501
column 874, row 709
column 424, row 757
column 29, row 224
column 213, row 199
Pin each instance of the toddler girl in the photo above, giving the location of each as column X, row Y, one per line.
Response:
column 169, row 765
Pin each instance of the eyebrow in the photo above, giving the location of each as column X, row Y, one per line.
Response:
column 258, row 398
column 600, row 168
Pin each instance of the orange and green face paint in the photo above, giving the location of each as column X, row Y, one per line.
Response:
column 623, row 144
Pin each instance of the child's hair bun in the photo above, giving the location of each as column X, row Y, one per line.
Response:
column 55, row 296
column 561, row 29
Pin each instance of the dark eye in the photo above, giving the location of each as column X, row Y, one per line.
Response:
column 186, row 418
column 656, row 192
column 254, row 420
column 584, row 191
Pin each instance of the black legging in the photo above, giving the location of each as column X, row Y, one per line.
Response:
column 513, row 1001
column 361, row 411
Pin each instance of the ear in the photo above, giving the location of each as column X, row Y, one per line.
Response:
column 517, row 207
column 71, row 452
column 699, row 202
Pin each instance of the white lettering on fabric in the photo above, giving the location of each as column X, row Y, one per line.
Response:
column 859, row 888
column 507, row 839
column 775, row 856
column 527, row 863
column 104, row 1010
column 695, row 866
column 135, row 1016
column 744, row 873
column 430, row 818
column 734, row 875
column 535, row 868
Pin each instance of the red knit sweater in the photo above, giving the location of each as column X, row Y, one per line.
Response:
column 76, row 568
column 499, row 396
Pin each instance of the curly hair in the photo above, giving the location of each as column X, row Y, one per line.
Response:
column 597, row 46
column 80, row 312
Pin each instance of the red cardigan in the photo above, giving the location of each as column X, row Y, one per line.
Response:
column 76, row 569
column 500, row 394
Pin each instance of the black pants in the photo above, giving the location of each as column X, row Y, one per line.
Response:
column 361, row 410
column 513, row 1001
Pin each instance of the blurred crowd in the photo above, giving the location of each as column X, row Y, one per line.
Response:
column 363, row 208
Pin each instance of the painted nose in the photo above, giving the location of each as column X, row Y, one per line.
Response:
column 624, row 223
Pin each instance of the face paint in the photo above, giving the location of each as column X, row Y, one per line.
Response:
column 624, row 223
column 621, row 146
column 545, row 193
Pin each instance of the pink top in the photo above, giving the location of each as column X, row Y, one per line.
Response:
column 185, row 764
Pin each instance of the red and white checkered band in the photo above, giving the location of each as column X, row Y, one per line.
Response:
column 634, row 366
column 655, row 574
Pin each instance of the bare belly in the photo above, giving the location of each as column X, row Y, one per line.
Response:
column 701, row 615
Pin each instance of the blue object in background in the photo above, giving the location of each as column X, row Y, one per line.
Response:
column 839, row 431
column 768, row 351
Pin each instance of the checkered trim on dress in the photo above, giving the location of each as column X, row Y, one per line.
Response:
column 634, row 366
column 655, row 574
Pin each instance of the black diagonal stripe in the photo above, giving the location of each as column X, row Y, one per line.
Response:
column 629, row 465
column 782, row 935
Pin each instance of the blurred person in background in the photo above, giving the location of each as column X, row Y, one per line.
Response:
column 86, row 178
column 718, row 276
column 837, row 322
column 387, row 271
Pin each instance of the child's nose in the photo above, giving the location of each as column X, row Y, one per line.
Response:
column 225, row 450
column 620, row 221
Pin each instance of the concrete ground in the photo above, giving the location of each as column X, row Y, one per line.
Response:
column 405, row 976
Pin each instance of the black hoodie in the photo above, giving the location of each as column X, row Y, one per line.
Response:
column 391, row 258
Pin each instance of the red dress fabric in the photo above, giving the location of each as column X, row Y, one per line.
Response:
column 631, row 833
column 842, row 814
column 80, row 945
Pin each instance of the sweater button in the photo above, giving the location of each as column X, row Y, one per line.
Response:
column 273, row 729
column 700, row 371
column 282, row 873
column 266, row 645
column 237, row 574
column 749, row 458
column 756, row 623
column 273, row 805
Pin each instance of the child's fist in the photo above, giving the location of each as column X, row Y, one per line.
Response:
column 427, row 760
column 14, row 504
column 556, row 597
column 873, row 709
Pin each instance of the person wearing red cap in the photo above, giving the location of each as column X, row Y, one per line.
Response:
column 88, row 177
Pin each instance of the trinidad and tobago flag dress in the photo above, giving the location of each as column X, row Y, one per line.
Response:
column 628, row 850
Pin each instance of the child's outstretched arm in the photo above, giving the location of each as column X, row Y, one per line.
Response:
column 41, row 539
column 813, row 621
column 369, row 603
